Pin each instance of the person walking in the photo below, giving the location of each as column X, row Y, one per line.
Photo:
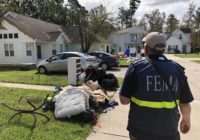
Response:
column 127, row 52
column 156, row 87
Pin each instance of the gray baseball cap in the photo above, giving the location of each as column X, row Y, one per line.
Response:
column 155, row 40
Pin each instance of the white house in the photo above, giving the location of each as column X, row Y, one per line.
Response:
column 129, row 37
column 26, row 40
column 178, row 40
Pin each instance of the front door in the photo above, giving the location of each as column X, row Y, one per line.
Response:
column 39, row 52
column 184, row 48
column 107, row 49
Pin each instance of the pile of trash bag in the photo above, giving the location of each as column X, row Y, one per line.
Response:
column 84, row 102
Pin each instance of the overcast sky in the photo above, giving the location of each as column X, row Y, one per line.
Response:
column 177, row 7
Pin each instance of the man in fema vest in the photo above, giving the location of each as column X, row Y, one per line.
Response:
column 156, row 87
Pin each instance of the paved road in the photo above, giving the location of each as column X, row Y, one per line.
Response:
column 113, row 124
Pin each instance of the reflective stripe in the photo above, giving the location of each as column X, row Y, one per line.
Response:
column 150, row 104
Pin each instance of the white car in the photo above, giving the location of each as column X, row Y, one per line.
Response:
column 58, row 62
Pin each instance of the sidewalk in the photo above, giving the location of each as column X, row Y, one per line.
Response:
column 26, row 86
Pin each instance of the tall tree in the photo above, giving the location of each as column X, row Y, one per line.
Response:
column 188, row 19
column 90, row 23
column 197, row 19
column 126, row 16
column 143, row 24
column 155, row 20
column 172, row 23
column 195, row 37
column 47, row 10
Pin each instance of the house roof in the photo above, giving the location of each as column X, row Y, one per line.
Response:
column 186, row 30
column 168, row 35
column 34, row 28
column 127, row 30
column 124, row 30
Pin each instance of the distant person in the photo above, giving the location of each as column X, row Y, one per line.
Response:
column 155, row 87
column 127, row 52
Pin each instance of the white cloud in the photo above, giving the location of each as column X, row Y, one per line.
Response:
column 176, row 7
column 164, row 2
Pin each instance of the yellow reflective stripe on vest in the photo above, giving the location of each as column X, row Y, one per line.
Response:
column 150, row 104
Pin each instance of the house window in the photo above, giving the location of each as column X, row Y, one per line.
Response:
column 133, row 37
column 61, row 48
column 5, row 36
column 9, row 50
column 0, row 36
column 15, row 35
column 10, row 35
column 180, row 36
column 54, row 51
column 29, row 49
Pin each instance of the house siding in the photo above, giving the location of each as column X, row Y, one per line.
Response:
column 181, row 40
column 122, row 39
column 19, row 45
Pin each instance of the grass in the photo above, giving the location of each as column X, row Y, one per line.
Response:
column 120, row 80
column 19, row 128
column 197, row 61
column 32, row 77
column 124, row 63
column 188, row 55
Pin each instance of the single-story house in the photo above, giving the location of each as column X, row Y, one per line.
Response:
column 25, row 40
column 179, row 40
column 129, row 37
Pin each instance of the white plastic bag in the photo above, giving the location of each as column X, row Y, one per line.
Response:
column 71, row 102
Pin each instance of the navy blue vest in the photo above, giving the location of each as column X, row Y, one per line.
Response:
column 152, row 88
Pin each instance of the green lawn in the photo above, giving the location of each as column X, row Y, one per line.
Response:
column 197, row 61
column 124, row 63
column 20, row 128
column 188, row 55
column 32, row 77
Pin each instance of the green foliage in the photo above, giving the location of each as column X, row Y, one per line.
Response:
column 125, row 16
column 19, row 128
column 124, row 63
column 90, row 23
column 188, row 55
column 197, row 61
column 172, row 23
column 155, row 20
column 188, row 18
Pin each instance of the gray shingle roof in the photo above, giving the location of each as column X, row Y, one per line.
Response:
column 186, row 30
column 34, row 28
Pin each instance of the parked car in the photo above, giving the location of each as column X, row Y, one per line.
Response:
column 58, row 62
column 105, row 60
